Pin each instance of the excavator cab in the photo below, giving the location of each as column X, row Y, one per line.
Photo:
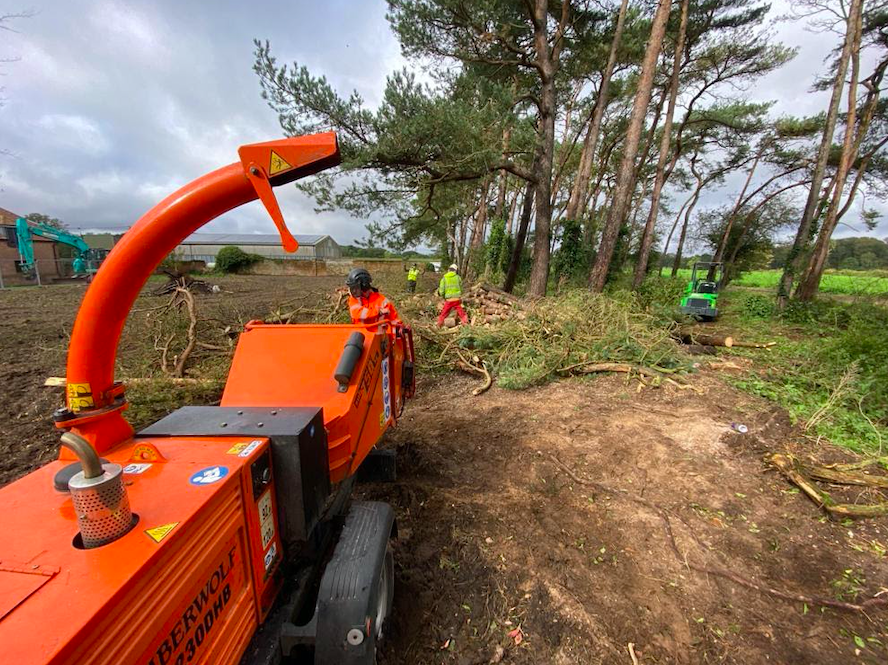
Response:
column 219, row 534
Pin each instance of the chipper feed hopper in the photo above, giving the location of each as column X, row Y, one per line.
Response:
column 220, row 534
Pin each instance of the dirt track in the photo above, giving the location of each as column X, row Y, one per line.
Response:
column 496, row 536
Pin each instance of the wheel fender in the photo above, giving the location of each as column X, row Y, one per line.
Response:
column 349, row 591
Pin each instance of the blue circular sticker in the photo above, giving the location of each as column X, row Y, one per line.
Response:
column 209, row 475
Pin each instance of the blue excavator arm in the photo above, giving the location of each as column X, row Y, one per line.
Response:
column 24, row 230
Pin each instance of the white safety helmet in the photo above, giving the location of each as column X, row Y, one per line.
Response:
column 454, row 267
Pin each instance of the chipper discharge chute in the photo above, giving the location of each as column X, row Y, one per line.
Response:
column 220, row 534
column 701, row 295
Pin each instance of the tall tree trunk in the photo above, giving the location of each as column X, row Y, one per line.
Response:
column 577, row 203
column 634, row 225
column 643, row 159
column 547, row 64
column 672, row 233
column 647, row 237
column 809, row 283
column 520, row 237
column 690, row 209
column 461, row 254
column 623, row 191
column 726, row 234
column 539, row 274
column 503, row 178
column 513, row 209
column 480, row 224
column 568, row 143
column 591, row 203
column 806, row 225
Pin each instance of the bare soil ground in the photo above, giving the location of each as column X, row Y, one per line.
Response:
column 533, row 524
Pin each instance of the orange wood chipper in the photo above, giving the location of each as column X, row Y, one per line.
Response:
column 219, row 534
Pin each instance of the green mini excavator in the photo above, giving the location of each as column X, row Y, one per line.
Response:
column 701, row 296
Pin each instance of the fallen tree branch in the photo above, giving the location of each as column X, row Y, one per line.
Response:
column 846, row 477
column 869, row 603
column 164, row 351
column 592, row 367
column 488, row 381
column 467, row 366
column 191, row 335
column 789, row 467
column 214, row 347
column 683, row 386
column 862, row 464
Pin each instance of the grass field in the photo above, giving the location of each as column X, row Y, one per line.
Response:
column 846, row 282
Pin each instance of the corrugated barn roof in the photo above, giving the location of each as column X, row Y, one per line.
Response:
column 247, row 239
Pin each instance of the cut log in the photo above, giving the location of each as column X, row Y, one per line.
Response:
column 499, row 292
column 450, row 322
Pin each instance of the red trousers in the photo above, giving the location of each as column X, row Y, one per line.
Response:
column 452, row 304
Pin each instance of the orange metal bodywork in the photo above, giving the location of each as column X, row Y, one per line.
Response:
column 291, row 365
column 198, row 573
column 118, row 603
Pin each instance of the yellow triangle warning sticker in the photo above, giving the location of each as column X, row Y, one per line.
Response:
column 278, row 164
column 158, row 533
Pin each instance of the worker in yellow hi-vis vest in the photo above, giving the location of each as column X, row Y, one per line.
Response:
column 412, row 276
column 450, row 288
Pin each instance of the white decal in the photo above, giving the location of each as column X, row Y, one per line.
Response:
column 249, row 449
column 270, row 555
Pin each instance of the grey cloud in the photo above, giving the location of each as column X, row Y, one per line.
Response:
column 114, row 105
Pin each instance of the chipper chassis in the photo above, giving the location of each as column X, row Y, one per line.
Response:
column 219, row 534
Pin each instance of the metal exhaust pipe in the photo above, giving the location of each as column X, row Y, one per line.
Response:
column 99, row 497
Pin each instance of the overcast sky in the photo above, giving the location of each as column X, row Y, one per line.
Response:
column 110, row 106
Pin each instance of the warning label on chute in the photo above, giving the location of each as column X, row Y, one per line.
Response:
column 277, row 164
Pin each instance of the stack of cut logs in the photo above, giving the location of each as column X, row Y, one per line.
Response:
column 491, row 305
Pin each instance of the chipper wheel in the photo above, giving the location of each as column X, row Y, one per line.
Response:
column 357, row 588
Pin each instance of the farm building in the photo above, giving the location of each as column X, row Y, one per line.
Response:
column 205, row 246
column 45, row 252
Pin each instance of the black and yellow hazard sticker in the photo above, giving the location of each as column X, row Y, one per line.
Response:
column 278, row 164
column 237, row 448
column 79, row 396
column 158, row 533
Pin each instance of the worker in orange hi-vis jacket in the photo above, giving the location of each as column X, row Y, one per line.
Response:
column 365, row 303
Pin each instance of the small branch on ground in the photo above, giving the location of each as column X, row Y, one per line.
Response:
column 475, row 366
